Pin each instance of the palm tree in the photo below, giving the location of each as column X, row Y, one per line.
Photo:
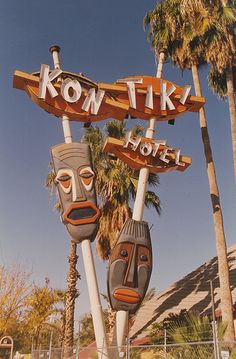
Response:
column 186, row 328
column 214, row 29
column 221, row 51
column 72, row 292
column 116, row 185
column 180, row 43
column 194, row 328
column 219, row 40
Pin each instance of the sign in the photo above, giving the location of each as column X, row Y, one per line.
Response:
column 6, row 342
column 79, row 98
column 6, row 347
column 142, row 152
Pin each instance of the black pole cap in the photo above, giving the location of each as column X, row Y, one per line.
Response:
column 54, row 48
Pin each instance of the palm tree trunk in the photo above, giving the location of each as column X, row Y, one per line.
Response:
column 63, row 326
column 223, row 269
column 232, row 112
column 70, row 300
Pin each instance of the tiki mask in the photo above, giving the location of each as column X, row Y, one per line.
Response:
column 75, row 184
column 130, row 267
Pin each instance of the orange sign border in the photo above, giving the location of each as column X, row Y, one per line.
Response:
column 136, row 160
column 115, row 103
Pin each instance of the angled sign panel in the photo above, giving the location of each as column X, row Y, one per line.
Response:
column 153, row 154
column 79, row 98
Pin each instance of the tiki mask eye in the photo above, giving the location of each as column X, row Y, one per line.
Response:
column 124, row 253
column 65, row 180
column 143, row 257
column 87, row 176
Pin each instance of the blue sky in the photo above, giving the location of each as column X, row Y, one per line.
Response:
column 104, row 40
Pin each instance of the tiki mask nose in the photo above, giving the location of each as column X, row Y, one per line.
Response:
column 131, row 273
column 78, row 194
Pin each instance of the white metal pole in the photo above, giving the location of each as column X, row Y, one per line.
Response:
column 165, row 352
column 162, row 54
column 121, row 326
column 50, row 345
column 217, row 341
column 65, row 120
column 55, row 56
column 96, row 308
column 66, row 129
column 95, row 301
column 140, row 196
column 143, row 180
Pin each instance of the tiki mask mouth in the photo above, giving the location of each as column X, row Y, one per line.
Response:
column 81, row 213
column 126, row 295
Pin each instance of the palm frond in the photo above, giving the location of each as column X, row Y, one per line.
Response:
column 152, row 200
column 115, row 128
column 217, row 82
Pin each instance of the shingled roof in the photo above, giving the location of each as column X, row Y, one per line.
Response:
column 191, row 293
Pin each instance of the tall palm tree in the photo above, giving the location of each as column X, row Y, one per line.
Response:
column 214, row 30
column 182, row 38
column 72, row 292
column 219, row 38
column 221, row 52
column 116, row 185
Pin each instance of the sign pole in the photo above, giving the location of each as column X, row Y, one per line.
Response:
column 95, row 301
column 90, row 101
column 122, row 316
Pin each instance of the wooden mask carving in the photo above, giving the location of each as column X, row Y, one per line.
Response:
column 130, row 267
column 75, row 184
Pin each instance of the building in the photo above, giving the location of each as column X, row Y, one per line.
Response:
column 193, row 293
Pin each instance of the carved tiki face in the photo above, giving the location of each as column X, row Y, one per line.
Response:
column 75, row 183
column 130, row 267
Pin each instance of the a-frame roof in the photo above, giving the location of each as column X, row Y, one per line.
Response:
column 191, row 293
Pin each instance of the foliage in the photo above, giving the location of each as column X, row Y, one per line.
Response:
column 194, row 32
column 41, row 307
column 85, row 335
column 156, row 332
column 148, row 296
column 217, row 81
column 25, row 307
column 183, row 328
column 167, row 18
column 14, row 288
